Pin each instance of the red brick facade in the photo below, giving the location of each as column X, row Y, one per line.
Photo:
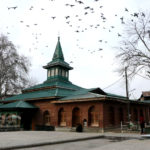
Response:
column 109, row 114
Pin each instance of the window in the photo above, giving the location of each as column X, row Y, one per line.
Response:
column 62, row 117
column 120, row 111
column 111, row 116
column 56, row 71
column 49, row 73
column 75, row 116
column 52, row 72
column 66, row 74
column 46, row 118
column 135, row 115
column 63, row 73
column 93, row 117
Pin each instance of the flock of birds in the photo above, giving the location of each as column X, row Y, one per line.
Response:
column 78, row 26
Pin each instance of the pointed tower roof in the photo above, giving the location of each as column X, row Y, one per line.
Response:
column 58, row 58
column 58, row 54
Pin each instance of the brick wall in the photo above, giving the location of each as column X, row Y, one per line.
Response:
column 102, row 108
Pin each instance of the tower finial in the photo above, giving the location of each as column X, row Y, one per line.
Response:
column 58, row 36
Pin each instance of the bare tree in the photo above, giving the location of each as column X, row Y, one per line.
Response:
column 134, row 50
column 13, row 68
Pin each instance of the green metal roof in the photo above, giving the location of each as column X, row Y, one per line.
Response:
column 58, row 58
column 83, row 95
column 58, row 92
column 116, row 96
column 18, row 104
column 58, row 54
column 91, row 93
column 57, row 83
column 63, row 90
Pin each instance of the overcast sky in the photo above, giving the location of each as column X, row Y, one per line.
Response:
column 88, row 33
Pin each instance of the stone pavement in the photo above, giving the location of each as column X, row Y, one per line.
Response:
column 23, row 139
column 134, row 144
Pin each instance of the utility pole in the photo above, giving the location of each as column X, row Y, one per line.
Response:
column 127, row 93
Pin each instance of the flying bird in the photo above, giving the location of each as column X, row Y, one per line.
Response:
column 72, row 5
column 31, row 8
column 126, row 9
column 80, row 2
column 67, row 17
column 87, row 7
column 136, row 14
column 119, row 34
column 53, row 17
column 12, row 7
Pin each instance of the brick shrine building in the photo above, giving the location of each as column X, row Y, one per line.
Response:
column 60, row 103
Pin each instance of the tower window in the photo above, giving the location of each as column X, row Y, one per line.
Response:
column 52, row 72
column 63, row 73
column 59, row 72
column 49, row 73
column 56, row 71
column 66, row 74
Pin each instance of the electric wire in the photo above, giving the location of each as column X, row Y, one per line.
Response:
column 113, row 83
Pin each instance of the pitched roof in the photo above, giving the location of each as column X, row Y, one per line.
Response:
column 116, row 96
column 18, row 104
column 58, row 54
column 91, row 93
column 58, row 58
column 46, row 90
column 85, row 93
column 56, row 83
column 146, row 93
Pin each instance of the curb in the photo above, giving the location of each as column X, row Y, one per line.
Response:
column 68, row 141
column 50, row 143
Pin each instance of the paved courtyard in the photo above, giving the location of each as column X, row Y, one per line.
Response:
column 71, row 140
column 99, row 144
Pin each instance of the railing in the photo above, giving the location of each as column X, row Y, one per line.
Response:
column 10, row 127
column 130, row 126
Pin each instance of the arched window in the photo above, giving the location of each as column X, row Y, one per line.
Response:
column 141, row 112
column 135, row 115
column 3, row 119
column 75, row 116
column 120, row 111
column 93, row 117
column 46, row 118
column 111, row 116
column 62, row 117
